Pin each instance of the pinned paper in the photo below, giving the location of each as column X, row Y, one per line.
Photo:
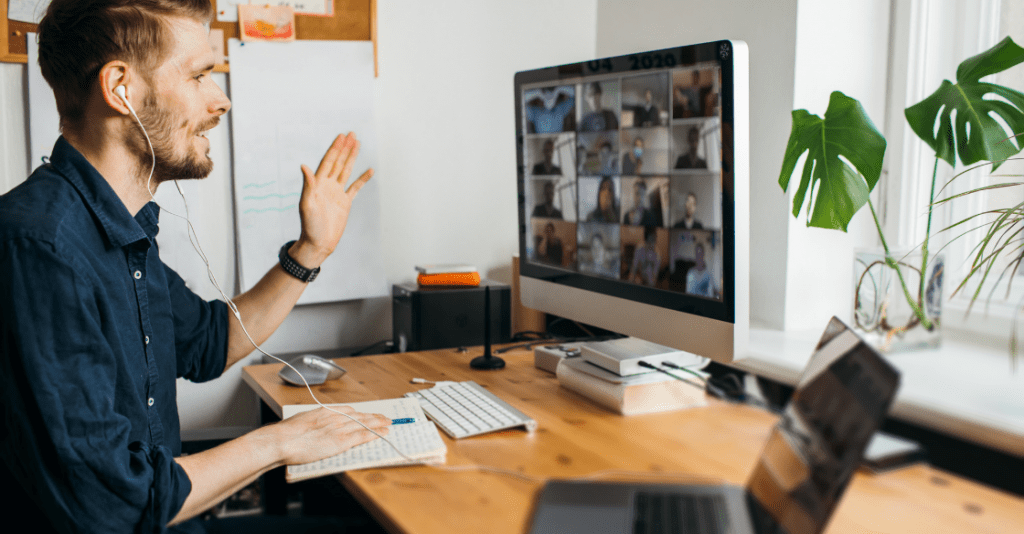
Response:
column 27, row 10
column 227, row 10
column 266, row 23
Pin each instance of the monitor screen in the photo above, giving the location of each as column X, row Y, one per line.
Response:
column 627, row 174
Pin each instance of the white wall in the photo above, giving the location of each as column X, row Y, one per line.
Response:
column 840, row 46
column 447, row 172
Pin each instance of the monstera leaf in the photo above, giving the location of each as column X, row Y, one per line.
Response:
column 978, row 137
column 843, row 138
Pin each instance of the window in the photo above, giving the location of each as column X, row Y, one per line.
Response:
column 929, row 39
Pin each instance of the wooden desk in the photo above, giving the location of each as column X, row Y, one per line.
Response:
column 576, row 438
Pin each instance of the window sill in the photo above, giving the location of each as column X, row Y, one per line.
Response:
column 964, row 388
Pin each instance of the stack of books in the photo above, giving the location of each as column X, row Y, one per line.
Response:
column 608, row 373
column 450, row 274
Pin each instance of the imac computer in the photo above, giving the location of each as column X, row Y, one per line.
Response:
column 633, row 195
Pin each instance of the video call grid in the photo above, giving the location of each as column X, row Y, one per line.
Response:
column 596, row 209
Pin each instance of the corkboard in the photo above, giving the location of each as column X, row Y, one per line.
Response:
column 353, row 20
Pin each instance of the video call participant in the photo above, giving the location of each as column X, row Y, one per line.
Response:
column 549, row 246
column 552, row 111
column 686, row 102
column 601, row 261
column 607, row 209
column 547, row 166
column 646, row 260
column 698, row 279
column 95, row 328
column 609, row 160
column 548, row 209
column 597, row 118
column 640, row 214
column 647, row 114
column 690, row 160
column 689, row 220
column 633, row 162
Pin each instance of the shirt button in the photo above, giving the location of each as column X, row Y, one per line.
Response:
column 151, row 401
column 138, row 275
column 147, row 340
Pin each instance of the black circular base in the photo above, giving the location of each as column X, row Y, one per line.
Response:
column 485, row 362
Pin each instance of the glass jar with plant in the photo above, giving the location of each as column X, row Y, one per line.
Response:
column 843, row 165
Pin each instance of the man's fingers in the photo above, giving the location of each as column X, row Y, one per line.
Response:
column 331, row 156
column 358, row 184
column 347, row 163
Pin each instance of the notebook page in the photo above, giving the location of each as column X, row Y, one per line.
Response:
column 419, row 440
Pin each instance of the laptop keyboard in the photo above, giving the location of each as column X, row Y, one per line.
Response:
column 656, row 513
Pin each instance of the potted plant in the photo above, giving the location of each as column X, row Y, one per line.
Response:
column 843, row 165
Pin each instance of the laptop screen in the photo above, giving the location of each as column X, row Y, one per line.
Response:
column 811, row 454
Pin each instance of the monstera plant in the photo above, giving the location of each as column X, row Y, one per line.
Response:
column 958, row 121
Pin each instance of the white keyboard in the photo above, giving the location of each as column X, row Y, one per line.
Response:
column 464, row 409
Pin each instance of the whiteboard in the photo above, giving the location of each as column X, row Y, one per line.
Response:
column 289, row 102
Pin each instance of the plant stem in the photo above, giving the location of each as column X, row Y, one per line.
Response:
column 928, row 230
column 894, row 265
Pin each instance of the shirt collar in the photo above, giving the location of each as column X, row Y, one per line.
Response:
column 113, row 216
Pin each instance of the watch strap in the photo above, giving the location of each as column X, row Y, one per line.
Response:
column 293, row 268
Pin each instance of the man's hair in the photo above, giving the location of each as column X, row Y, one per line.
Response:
column 78, row 37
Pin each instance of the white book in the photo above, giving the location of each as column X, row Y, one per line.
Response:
column 419, row 441
column 443, row 268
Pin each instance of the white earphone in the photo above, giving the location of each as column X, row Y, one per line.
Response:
column 122, row 91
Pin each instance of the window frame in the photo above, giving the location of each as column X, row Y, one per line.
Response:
column 921, row 55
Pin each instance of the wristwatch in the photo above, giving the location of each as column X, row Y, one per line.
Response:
column 293, row 268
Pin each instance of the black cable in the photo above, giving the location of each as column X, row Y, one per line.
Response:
column 642, row 363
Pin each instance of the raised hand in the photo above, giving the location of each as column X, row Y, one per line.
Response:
column 326, row 201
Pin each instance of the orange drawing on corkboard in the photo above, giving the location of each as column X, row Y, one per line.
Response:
column 266, row 23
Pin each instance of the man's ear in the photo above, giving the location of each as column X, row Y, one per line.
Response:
column 113, row 75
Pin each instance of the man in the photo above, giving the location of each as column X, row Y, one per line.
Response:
column 633, row 162
column 547, row 167
column 689, row 220
column 598, row 119
column 646, row 260
column 548, row 209
column 550, row 247
column 94, row 328
column 690, row 160
column 647, row 114
column 698, row 279
column 640, row 214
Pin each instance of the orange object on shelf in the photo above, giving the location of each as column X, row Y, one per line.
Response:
column 449, row 279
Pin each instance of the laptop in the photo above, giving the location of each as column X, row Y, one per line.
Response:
column 806, row 464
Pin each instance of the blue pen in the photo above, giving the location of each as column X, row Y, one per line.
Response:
column 403, row 421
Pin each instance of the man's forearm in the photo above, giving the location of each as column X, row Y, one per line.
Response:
column 307, row 437
column 264, row 307
column 219, row 472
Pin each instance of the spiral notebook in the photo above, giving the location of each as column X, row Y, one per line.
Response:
column 420, row 441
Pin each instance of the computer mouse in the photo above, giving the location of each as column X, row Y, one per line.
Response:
column 314, row 369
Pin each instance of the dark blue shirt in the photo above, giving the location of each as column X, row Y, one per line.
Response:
column 94, row 330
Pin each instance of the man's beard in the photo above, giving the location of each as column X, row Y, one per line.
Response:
column 169, row 164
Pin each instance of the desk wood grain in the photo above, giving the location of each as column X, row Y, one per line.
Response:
column 576, row 438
